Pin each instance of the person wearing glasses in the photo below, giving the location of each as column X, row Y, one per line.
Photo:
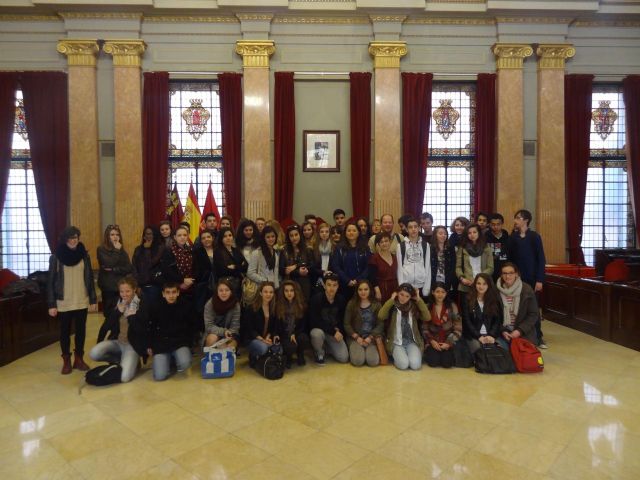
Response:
column 114, row 265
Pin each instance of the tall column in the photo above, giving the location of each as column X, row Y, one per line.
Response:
column 257, row 166
column 550, row 189
column 387, row 185
column 127, row 82
column 84, row 160
column 509, row 96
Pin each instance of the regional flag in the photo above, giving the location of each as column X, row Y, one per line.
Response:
column 210, row 206
column 192, row 214
column 174, row 208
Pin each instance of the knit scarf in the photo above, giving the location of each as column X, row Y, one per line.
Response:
column 70, row 257
column 514, row 291
column 404, row 309
column 184, row 260
column 220, row 307
column 474, row 250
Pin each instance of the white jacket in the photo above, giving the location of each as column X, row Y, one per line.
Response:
column 417, row 273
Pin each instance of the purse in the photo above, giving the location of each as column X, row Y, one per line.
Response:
column 249, row 291
column 492, row 358
column 382, row 351
column 271, row 365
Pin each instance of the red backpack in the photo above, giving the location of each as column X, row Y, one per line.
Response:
column 526, row 356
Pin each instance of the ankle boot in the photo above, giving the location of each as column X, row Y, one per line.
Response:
column 78, row 362
column 66, row 364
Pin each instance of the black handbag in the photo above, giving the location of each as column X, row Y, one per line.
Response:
column 271, row 365
column 492, row 358
column 462, row 355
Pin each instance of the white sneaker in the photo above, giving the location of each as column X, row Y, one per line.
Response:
column 543, row 346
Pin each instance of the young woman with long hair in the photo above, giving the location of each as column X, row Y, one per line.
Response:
column 247, row 238
column 443, row 258
column 264, row 264
column 291, row 314
column 261, row 321
column 482, row 319
column 457, row 231
column 297, row 263
column 362, row 325
column 406, row 313
column 222, row 315
column 474, row 256
column 166, row 232
column 228, row 261
column 114, row 264
column 146, row 262
column 203, row 271
column 71, row 294
column 442, row 330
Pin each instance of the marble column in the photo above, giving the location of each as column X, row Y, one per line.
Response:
column 510, row 128
column 550, row 185
column 84, row 160
column 387, row 133
column 127, row 81
column 257, row 165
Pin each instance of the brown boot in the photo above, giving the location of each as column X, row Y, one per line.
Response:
column 78, row 362
column 66, row 364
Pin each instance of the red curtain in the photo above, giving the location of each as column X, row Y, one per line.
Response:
column 285, row 144
column 47, row 114
column 155, row 145
column 360, row 95
column 8, row 83
column 416, row 113
column 484, row 172
column 631, row 92
column 577, row 125
column 231, row 121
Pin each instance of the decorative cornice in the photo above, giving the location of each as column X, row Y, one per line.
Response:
column 101, row 15
column 28, row 18
column 388, row 18
column 450, row 21
column 126, row 53
column 387, row 54
column 319, row 20
column 255, row 53
column 606, row 23
column 536, row 20
column 81, row 53
column 552, row 56
column 511, row 55
column 190, row 19
column 254, row 17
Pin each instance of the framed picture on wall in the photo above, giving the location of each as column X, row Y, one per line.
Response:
column 321, row 151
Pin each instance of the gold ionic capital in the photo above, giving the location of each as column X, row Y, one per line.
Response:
column 553, row 56
column 125, row 53
column 81, row 53
column 387, row 54
column 511, row 55
column 255, row 53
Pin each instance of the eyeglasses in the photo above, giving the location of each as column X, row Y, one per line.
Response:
column 508, row 273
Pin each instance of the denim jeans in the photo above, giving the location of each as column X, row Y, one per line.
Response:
column 122, row 353
column 257, row 348
column 161, row 362
column 407, row 356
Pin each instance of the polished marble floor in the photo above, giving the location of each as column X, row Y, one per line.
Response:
column 580, row 419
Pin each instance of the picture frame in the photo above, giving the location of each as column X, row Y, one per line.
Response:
column 321, row 151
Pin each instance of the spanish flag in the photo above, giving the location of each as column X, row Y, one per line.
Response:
column 192, row 214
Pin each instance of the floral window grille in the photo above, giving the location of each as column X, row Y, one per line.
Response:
column 195, row 141
column 452, row 149
column 608, row 217
column 23, row 248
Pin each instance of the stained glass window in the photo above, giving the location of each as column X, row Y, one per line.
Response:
column 24, row 247
column 608, row 218
column 452, row 144
column 195, row 141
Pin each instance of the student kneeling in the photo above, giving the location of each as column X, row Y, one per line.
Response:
column 170, row 322
column 362, row 325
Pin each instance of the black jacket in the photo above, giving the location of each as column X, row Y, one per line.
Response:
column 55, row 281
column 170, row 325
column 255, row 320
column 138, row 333
column 145, row 261
column 222, row 258
column 119, row 265
column 472, row 321
column 327, row 316
column 500, row 249
column 170, row 272
column 449, row 266
column 202, row 265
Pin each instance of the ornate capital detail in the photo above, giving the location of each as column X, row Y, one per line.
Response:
column 101, row 15
column 79, row 52
column 126, row 53
column 255, row 53
column 552, row 56
column 388, row 18
column 511, row 55
column 387, row 54
column 254, row 17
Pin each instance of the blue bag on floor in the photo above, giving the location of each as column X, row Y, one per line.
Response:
column 218, row 361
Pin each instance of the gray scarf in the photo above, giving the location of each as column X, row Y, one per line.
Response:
column 513, row 291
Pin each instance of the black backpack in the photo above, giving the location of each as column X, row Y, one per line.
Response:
column 492, row 358
column 104, row 375
column 403, row 251
column 271, row 365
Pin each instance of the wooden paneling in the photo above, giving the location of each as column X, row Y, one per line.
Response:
column 625, row 317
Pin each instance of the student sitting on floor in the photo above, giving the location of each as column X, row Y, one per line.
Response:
column 443, row 330
column 362, row 326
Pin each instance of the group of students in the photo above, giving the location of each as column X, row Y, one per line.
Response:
column 352, row 291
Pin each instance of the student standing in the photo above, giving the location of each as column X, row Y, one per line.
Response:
column 228, row 261
column 71, row 294
column 247, row 238
column 474, row 257
column 383, row 268
column 264, row 264
column 146, row 263
column 498, row 240
column 443, row 259
column 414, row 259
column 297, row 263
column 350, row 260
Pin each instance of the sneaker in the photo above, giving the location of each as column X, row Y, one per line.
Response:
column 320, row 361
column 543, row 346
